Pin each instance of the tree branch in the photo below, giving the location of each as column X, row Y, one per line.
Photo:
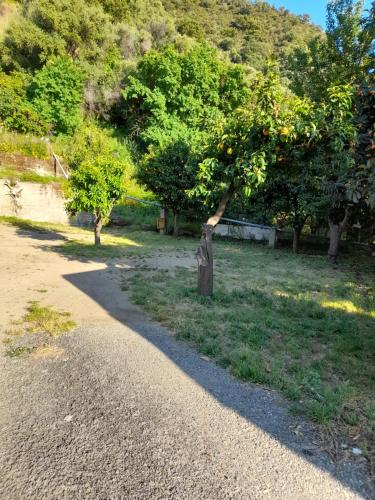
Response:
column 215, row 219
column 344, row 222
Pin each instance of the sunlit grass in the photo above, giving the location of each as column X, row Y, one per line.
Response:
column 286, row 321
column 45, row 319
column 30, row 176
column 346, row 306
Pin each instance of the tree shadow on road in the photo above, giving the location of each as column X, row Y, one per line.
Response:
column 35, row 231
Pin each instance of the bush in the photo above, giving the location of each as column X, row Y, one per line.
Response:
column 89, row 142
column 56, row 94
column 11, row 142
column 52, row 28
column 16, row 112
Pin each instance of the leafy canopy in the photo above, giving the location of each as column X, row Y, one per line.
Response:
column 171, row 92
column 96, row 186
column 276, row 129
column 16, row 111
column 171, row 102
column 345, row 55
column 56, row 94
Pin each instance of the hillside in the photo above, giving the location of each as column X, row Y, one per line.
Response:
column 8, row 12
column 248, row 31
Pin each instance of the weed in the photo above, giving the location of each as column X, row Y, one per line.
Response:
column 44, row 319
column 19, row 351
column 39, row 322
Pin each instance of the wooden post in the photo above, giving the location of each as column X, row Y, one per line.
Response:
column 163, row 221
column 272, row 240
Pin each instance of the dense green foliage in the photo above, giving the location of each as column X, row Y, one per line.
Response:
column 170, row 104
column 56, row 94
column 95, row 188
column 16, row 111
column 171, row 93
column 48, row 102
column 50, row 28
column 248, row 32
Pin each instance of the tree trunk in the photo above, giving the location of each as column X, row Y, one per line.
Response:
column 205, row 262
column 296, row 238
column 175, row 225
column 335, row 232
column 204, row 252
column 98, row 224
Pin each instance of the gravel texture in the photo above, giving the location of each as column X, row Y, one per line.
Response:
column 125, row 411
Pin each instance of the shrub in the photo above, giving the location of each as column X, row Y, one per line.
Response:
column 56, row 94
column 16, row 113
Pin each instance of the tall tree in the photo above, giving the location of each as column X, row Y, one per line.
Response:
column 170, row 103
column 345, row 55
column 240, row 151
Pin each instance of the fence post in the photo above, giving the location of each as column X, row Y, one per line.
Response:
column 272, row 240
column 162, row 221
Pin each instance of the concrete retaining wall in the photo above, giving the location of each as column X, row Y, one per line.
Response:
column 37, row 202
column 247, row 233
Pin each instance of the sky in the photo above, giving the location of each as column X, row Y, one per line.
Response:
column 315, row 8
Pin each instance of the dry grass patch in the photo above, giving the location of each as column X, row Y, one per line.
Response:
column 34, row 332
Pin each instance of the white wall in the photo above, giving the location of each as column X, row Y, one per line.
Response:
column 37, row 202
column 246, row 233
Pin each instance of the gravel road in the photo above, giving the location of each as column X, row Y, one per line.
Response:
column 126, row 411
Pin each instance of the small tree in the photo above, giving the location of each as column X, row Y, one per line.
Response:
column 95, row 188
column 170, row 172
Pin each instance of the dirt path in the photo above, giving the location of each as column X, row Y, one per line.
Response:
column 126, row 411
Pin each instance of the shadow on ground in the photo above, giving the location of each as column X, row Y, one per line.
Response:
column 260, row 407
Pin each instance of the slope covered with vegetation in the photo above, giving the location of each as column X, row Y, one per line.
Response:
column 249, row 32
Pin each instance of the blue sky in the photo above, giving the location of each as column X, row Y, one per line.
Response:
column 315, row 8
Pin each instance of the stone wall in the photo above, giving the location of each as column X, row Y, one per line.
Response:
column 23, row 163
column 37, row 202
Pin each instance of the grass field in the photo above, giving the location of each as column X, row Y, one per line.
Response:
column 286, row 321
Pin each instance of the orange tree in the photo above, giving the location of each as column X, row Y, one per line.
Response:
column 275, row 128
